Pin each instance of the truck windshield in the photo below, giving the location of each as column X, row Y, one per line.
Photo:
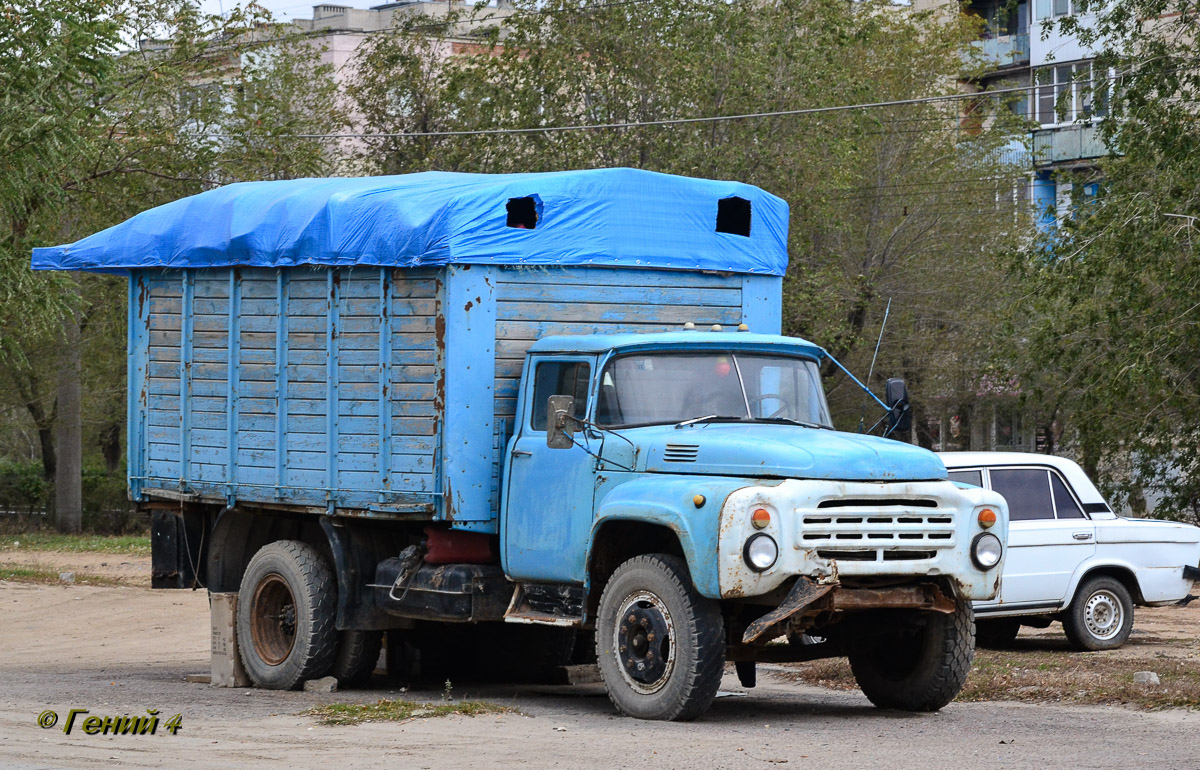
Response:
column 658, row 388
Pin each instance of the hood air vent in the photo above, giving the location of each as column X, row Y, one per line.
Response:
column 681, row 453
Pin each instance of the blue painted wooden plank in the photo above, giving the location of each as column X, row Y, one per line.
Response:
column 185, row 376
column 331, row 370
column 610, row 312
column 280, row 373
column 383, row 377
column 137, row 317
column 551, row 292
column 160, row 353
column 607, row 276
column 404, row 373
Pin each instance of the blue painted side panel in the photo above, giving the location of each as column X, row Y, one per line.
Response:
column 469, row 418
column 762, row 303
column 328, row 403
column 373, row 389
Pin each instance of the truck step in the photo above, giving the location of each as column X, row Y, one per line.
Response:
column 546, row 604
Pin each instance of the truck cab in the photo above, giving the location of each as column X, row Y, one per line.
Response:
column 720, row 443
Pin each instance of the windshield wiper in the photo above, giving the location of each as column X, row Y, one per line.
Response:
column 790, row 421
column 708, row 418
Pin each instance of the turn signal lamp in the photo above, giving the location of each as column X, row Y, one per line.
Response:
column 760, row 518
column 987, row 518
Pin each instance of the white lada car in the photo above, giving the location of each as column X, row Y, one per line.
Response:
column 1069, row 557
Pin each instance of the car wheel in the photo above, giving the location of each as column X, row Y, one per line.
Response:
column 660, row 645
column 1100, row 616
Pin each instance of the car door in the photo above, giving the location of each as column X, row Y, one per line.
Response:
column 1048, row 537
column 548, row 492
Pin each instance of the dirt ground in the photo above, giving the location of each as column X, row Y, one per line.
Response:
column 119, row 650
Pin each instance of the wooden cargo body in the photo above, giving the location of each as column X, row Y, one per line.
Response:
column 371, row 391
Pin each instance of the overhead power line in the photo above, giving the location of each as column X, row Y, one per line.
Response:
column 665, row 122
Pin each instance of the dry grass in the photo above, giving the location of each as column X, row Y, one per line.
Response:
column 1040, row 667
column 123, row 545
column 399, row 711
column 19, row 573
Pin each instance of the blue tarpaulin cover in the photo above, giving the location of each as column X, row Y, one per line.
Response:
column 620, row 217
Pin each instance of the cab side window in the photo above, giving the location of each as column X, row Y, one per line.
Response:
column 1027, row 491
column 559, row 378
column 974, row 478
column 1063, row 502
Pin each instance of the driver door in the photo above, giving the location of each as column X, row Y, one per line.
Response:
column 547, row 511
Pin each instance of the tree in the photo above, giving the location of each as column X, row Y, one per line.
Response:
column 1114, row 291
column 910, row 202
column 95, row 130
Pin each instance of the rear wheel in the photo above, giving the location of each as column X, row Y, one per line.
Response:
column 996, row 634
column 660, row 645
column 357, row 656
column 285, row 616
column 1100, row 616
column 915, row 666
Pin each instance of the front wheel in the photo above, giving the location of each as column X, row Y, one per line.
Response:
column 660, row 645
column 915, row 663
column 1100, row 616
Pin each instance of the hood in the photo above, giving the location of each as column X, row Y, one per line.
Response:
column 790, row 451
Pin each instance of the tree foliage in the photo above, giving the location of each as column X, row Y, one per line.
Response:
column 108, row 108
column 910, row 202
column 1115, row 293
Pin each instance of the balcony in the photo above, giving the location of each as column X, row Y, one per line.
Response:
column 1004, row 51
column 1062, row 144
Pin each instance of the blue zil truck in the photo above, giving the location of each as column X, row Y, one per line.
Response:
column 495, row 415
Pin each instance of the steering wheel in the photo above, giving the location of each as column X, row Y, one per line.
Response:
column 764, row 396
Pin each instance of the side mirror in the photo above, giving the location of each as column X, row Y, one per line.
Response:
column 899, row 410
column 560, row 428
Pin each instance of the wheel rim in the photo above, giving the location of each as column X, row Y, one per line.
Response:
column 273, row 620
column 644, row 639
column 1103, row 615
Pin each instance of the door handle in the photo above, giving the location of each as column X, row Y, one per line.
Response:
column 521, row 453
column 1082, row 536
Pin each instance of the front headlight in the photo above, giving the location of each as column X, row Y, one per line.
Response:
column 760, row 552
column 986, row 551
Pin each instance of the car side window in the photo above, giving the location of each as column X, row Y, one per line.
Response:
column 1063, row 502
column 559, row 378
column 974, row 478
column 1027, row 491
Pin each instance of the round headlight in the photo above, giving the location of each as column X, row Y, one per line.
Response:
column 760, row 552
column 986, row 551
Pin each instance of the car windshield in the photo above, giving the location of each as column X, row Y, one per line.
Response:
column 658, row 388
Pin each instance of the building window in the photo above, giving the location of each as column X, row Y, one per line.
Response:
column 1064, row 93
column 1052, row 9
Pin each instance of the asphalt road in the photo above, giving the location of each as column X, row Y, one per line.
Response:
column 120, row 651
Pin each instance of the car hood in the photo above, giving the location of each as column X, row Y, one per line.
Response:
column 789, row 451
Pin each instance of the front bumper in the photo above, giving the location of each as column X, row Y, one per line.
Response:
column 834, row 530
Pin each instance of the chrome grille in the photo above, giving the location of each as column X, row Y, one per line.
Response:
column 883, row 530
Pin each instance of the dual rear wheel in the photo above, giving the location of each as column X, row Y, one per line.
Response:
column 287, row 608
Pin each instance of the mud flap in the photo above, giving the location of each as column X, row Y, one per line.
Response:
column 803, row 593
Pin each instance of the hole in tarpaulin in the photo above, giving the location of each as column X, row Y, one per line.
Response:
column 524, row 213
column 733, row 216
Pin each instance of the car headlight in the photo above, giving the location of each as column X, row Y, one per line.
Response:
column 760, row 552
column 986, row 551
